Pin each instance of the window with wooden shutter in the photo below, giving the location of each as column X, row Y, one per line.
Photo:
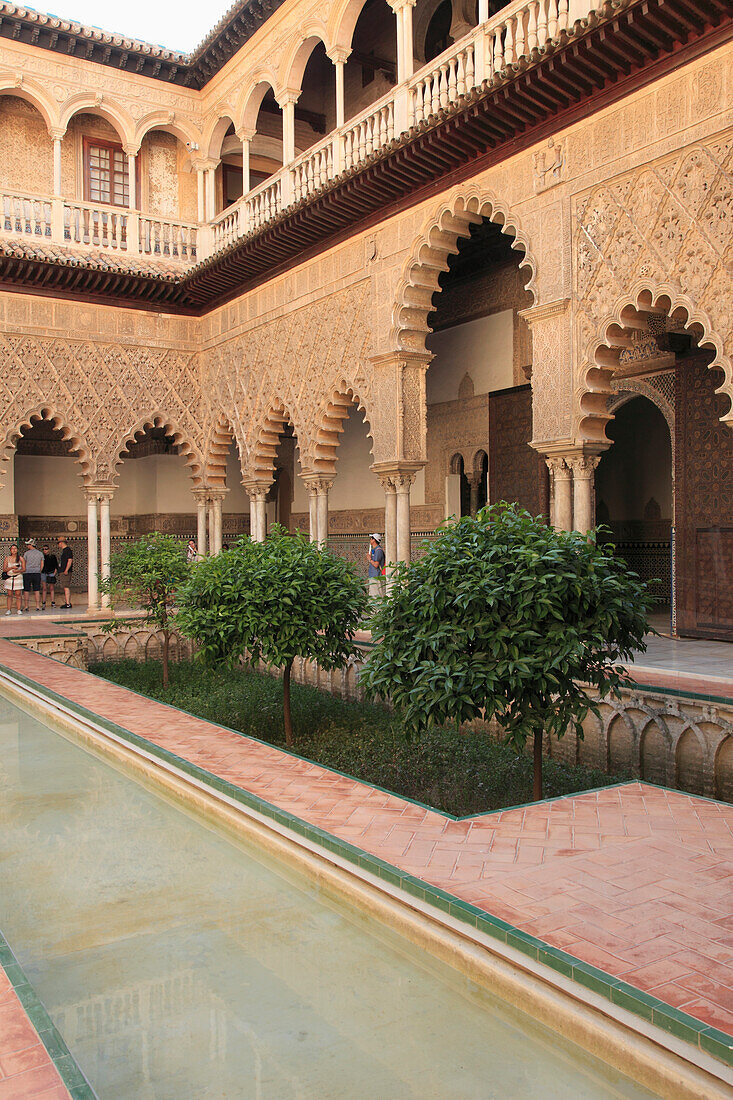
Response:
column 105, row 173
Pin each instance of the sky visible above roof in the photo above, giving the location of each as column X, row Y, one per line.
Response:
column 175, row 24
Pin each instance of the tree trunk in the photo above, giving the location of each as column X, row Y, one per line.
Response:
column 286, row 705
column 166, row 641
column 537, row 789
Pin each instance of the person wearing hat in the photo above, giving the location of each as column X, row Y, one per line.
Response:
column 375, row 563
column 32, row 575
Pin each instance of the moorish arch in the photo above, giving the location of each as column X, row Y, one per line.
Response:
column 262, row 455
column 216, row 450
column 429, row 259
column 322, row 457
column 630, row 314
column 78, row 446
column 188, row 450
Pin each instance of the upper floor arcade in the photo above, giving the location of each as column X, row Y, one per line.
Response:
column 137, row 166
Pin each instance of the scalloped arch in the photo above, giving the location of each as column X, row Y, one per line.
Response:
column 265, row 439
column 32, row 92
column 223, row 433
column 598, row 370
column 159, row 419
column 429, row 258
column 44, row 411
column 334, row 410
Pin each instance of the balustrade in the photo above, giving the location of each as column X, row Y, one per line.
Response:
column 25, row 215
column 518, row 31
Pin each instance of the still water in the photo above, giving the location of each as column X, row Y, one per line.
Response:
column 176, row 965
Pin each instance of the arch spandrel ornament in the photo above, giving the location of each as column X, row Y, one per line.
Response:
column 659, row 239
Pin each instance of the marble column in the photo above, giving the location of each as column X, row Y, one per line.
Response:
column 312, row 512
column 390, row 522
column 403, row 482
column 584, row 491
column 216, row 498
column 105, row 541
column 200, row 496
column 245, row 164
column 92, row 556
column 211, row 523
column 562, row 480
column 261, row 515
column 57, row 138
column 132, row 180
column 288, row 110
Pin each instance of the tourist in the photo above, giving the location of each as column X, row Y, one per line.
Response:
column 32, row 575
column 192, row 552
column 375, row 560
column 66, row 561
column 48, row 577
column 13, row 566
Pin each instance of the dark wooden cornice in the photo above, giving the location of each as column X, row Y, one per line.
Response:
column 49, row 32
column 586, row 71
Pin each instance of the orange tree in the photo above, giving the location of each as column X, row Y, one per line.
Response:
column 147, row 574
column 508, row 619
column 276, row 600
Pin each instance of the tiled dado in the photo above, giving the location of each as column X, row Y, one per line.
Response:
column 34, row 1059
column 625, row 890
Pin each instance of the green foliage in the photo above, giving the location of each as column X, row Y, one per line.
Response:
column 279, row 599
column 508, row 618
column 147, row 574
column 461, row 773
column 276, row 600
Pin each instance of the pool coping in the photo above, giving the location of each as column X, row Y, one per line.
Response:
column 63, row 1060
column 703, row 1037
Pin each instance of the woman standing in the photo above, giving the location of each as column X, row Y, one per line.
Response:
column 13, row 567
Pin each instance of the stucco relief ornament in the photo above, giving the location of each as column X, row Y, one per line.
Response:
column 548, row 166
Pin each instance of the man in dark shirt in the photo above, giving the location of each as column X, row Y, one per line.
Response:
column 66, row 560
column 375, row 566
column 48, row 577
column 32, row 575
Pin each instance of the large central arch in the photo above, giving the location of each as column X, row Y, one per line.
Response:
column 429, row 258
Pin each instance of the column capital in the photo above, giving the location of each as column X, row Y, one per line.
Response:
column 203, row 164
column 339, row 54
column 317, row 483
column 200, row 493
column 245, row 134
column 98, row 492
column 397, row 5
column 131, row 150
column 288, row 96
column 56, row 133
column 257, row 490
column 583, row 466
column 399, row 475
column 218, row 494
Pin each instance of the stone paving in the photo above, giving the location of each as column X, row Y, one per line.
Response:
column 636, row 880
column 26, row 1068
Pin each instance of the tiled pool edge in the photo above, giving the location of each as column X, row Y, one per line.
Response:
column 57, row 1050
column 680, row 1025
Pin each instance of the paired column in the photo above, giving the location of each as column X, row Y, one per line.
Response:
column 105, row 541
column 258, row 491
column 92, row 559
column 390, row 521
column 572, row 489
column 200, row 495
column 318, row 490
column 99, row 538
column 215, row 499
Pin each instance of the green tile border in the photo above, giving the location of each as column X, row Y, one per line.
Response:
column 705, row 1038
column 47, row 1032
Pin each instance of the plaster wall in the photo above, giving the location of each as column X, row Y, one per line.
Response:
column 483, row 349
column 48, row 486
column 156, row 483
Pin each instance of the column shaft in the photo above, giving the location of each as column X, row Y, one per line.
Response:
column 217, row 525
column 212, row 534
column 105, row 543
column 403, row 520
column 201, row 526
column 584, row 492
column 562, row 517
column 261, row 516
column 92, row 568
column 132, row 181
column 322, row 517
column 57, row 166
column 313, row 513
column 245, row 165
column 288, row 110
column 201, row 194
column 390, row 525
column 340, row 102
column 409, row 58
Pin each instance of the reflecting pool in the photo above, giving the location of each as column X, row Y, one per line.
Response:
column 177, row 965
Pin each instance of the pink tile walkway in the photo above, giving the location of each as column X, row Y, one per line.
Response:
column 635, row 880
column 26, row 1069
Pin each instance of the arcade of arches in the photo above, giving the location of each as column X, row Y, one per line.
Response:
column 555, row 331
